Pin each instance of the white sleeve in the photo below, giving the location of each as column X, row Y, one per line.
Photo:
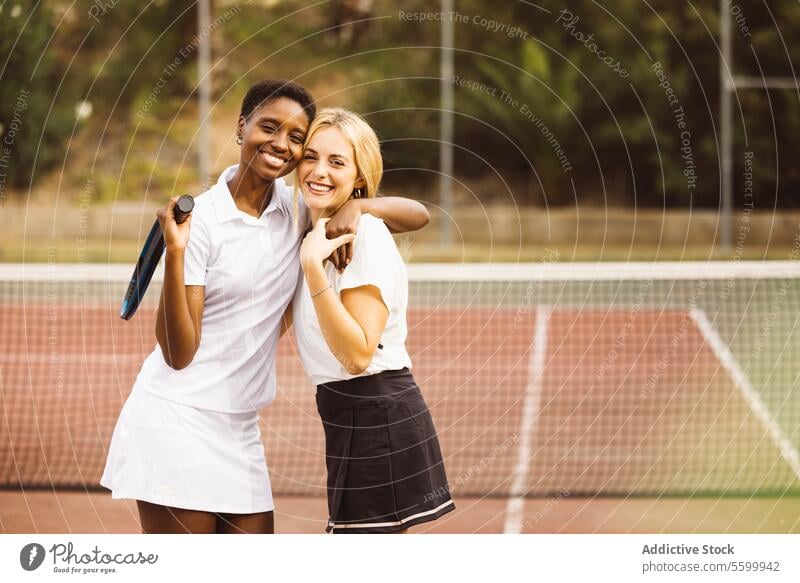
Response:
column 198, row 250
column 375, row 261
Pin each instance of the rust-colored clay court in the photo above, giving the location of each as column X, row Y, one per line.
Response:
column 568, row 399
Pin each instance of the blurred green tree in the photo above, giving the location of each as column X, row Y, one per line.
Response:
column 32, row 124
column 591, row 117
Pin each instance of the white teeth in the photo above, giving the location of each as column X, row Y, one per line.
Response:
column 273, row 159
column 321, row 188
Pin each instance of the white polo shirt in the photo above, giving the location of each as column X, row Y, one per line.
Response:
column 376, row 261
column 249, row 267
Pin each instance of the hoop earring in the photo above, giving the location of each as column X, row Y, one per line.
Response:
column 239, row 140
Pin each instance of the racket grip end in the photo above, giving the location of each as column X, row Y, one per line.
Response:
column 183, row 208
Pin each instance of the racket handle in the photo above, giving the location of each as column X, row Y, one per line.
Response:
column 183, row 208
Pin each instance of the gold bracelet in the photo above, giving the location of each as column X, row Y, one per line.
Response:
column 320, row 291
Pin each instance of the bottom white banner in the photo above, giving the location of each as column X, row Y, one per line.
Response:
column 723, row 558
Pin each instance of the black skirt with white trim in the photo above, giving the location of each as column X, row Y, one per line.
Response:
column 385, row 468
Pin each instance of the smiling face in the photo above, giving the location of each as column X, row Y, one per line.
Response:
column 328, row 173
column 272, row 138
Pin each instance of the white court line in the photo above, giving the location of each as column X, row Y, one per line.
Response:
column 530, row 412
column 728, row 361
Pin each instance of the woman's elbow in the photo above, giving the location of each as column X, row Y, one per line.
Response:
column 177, row 363
column 424, row 217
column 357, row 364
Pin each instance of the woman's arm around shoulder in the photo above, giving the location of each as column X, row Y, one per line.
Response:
column 401, row 215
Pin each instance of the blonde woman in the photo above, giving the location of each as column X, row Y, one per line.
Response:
column 385, row 469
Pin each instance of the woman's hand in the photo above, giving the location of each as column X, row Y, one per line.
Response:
column 176, row 236
column 317, row 247
column 343, row 222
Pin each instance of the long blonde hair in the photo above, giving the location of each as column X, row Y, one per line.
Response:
column 366, row 149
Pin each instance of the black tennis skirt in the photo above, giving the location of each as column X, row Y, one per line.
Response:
column 385, row 468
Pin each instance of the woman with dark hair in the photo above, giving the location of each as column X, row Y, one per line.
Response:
column 187, row 445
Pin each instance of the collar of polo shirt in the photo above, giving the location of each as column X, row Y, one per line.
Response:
column 226, row 209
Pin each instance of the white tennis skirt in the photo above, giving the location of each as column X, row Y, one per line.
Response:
column 179, row 456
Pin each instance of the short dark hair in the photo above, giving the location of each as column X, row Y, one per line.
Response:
column 269, row 90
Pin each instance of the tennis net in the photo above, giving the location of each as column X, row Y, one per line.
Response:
column 609, row 379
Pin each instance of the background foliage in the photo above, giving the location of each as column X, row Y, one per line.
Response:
column 618, row 133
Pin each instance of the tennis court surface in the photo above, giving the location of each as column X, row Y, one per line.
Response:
column 568, row 398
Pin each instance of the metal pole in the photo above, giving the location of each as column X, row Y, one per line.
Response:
column 204, row 89
column 446, row 125
column 726, row 123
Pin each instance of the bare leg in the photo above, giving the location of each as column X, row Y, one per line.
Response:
column 258, row 523
column 157, row 519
